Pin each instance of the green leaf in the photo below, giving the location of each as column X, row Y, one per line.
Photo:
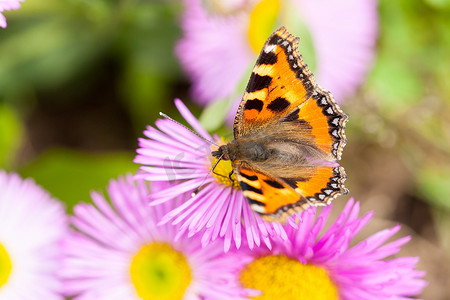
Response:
column 434, row 185
column 396, row 86
column 45, row 62
column 70, row 176
column 298, row 27
column 438, row 3
column 144, row 94
column 11, row 135
column 213, row 116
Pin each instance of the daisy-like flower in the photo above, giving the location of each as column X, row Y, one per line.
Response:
column 173, row 153
column 32, row 226
column 315, row 265
column 223, row 42
column 119, row 252
column 7, row 5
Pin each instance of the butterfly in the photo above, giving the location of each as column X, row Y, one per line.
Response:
column 288, row 135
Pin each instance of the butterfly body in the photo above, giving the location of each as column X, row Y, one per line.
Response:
column 288, row 135
column 275, row 150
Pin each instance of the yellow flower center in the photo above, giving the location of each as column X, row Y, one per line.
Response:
column 222, row 173
column 5, row 266
column 268, row 13
column 158, row 272
column 280, row 277
column 262, row 22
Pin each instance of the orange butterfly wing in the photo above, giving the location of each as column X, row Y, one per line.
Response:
column 279, row 82
column 278, row 198
column 282, row 89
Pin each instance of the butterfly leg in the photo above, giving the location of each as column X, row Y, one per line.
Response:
column 219, row 174
column 195, row 192
column 198, row 188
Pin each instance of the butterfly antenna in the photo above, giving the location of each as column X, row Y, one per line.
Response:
column 197, row 134
column 204, row 179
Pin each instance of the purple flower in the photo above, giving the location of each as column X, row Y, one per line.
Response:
column 32, row 225
column 220, row 47
column 7, row 5
column 119, row 252
column 173, row 153
column 213, row 48
column 311, row 265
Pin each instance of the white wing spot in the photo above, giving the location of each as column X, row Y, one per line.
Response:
column 334, row 133
column 289, row 48
column 330, row 110
column 294, row 66
column 334, row 185
column 285, row 43
column 257, row 208
column 321, row 196
column 323, row 101
column 327, row 191
column 335, row 121
column 269, row 48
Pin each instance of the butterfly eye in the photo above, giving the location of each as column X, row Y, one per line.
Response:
column 217, row 153
column 221, row 153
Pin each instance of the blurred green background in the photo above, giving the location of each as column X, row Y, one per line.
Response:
column 80, row 79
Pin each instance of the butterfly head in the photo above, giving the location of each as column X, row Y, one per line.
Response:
column 222, row 153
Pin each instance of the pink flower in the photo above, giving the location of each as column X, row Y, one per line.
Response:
column 32, row 226
column 119, row 252
column 309, row 259
column 173, row 153
column 7, row 5
column 218, row 48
